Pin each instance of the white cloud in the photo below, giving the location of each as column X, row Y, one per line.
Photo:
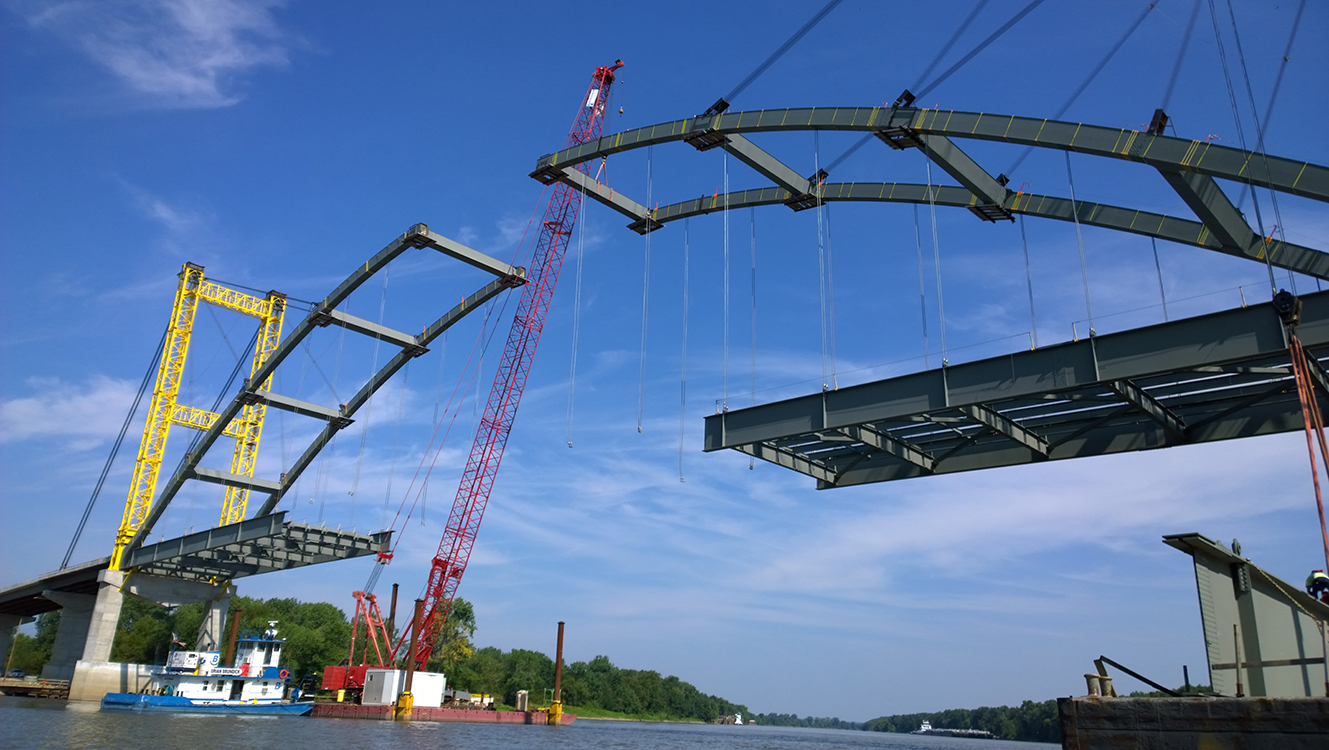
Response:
column 180, row 53
column 86, row 415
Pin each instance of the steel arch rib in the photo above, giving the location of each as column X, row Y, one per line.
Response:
column 418, row 236
column 1297, row 258
column 1158, row 151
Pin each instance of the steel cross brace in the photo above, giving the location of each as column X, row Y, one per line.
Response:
column 890, row 445
column 1150, row 406
column 1002, row 425
column 992, row 195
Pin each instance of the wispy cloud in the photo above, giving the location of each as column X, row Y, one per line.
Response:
column 180, row 53
column 85, row 415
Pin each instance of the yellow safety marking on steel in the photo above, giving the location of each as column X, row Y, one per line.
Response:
column 1129, row 142
column 784, row 117
column 1145, row 153
column 1117, row 142
column 1133, row 218
column 919, row 117
column 1009, row 123
column 1245, row 164
column 1041, row 200
column 1076, row 133
column 1161, row 219
column 1040, row 129
column 1203, row 154
column 948, row 120
column 980, row 119
column 1094, row 212
column 1203, row 236
column 1186, row 158
column 872, row 117
column 1299, row 174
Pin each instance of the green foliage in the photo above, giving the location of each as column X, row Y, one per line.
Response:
column 792, row 720
column 30, row 653
column 597, row 688
column 1029, row 722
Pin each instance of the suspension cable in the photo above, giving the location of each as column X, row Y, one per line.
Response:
column 645, row 291
column 922, row 293
column 115, row 448
column 753, row 287
column 396, row 432
column 1259, row 147
column 940, row 79
column 725, row 378
column 683, row 376
column 1241, row 138
column 576, row 323
column 1162, row 294
column 821, row 260
column 936, row 256
column 373, row 368
column 1029, row 280
column 1278, row 85
column 830, row 295
column 1112, row 52
column 1181, row 55
column 1079, row 239
column 977, row 49
column 950, row 43
column 783, row 48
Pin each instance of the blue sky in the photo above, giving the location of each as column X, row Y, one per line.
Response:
column 280, row 144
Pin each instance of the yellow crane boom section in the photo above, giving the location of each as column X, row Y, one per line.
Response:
column 164, row 410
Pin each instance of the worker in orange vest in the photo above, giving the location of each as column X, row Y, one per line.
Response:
column 1317, row 585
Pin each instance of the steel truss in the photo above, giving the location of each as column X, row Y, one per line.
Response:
column 164, row 410
column 1189, row 166
column 254, row 395
column 1210, row 378
column 1215, row 377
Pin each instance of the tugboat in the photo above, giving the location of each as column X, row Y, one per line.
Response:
column 193, row 682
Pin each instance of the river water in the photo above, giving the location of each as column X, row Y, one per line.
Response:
column 35, row 723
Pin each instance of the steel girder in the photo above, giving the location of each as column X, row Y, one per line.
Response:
column 1189, row 166
column 324, row 314
column 1215, row 377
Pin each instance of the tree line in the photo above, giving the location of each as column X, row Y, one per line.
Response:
column 318, row 634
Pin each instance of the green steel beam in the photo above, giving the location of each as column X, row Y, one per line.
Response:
column 768, row 166
column 950, row 157
column 1158, row 151
column 601, row 192
column 1297, row 258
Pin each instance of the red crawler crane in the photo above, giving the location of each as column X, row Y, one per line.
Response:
column 492, row 435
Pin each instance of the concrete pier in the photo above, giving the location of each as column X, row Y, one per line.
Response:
column 1095, row 723
column 82, row 649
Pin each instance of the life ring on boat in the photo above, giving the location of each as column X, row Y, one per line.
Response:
column 284, row 673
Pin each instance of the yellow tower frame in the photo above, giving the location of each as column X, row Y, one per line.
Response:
column 164, row 410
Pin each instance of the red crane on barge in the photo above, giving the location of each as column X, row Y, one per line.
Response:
column 491, row 437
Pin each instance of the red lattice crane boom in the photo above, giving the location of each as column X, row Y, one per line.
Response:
column 491, row 436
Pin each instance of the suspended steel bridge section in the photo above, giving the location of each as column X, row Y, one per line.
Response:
column 1215, row 377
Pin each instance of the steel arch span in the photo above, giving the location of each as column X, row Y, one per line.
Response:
column 1216, row 377
column 337, row 417
column 1189, row 167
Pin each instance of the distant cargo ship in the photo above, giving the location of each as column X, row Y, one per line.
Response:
column 976, row 734
column 194, row 682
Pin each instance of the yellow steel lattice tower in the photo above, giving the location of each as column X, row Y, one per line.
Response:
column 165, row 411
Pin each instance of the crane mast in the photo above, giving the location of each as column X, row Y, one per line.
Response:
column 491, row 436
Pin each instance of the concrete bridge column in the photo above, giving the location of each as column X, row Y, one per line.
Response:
column 87, row 625
column 214, row 621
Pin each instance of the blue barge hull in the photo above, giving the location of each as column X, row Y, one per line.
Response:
column 174, row 704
